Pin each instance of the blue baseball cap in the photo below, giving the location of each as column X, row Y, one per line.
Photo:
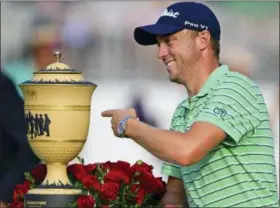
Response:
column 179, row 16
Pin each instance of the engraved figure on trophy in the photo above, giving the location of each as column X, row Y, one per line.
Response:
column 47, row 124
column 37, row 130
column 37, row 125
column 41, row 125
column 31, row 123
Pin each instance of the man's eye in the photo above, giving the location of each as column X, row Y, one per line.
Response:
column 168, row 41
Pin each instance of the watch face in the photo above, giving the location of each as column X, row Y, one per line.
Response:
column 120, row 129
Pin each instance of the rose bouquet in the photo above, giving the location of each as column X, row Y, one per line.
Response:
column 109, row 184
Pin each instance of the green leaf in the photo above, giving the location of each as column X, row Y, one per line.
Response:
column 139, row 162
column 81, row 160
column 29, row 177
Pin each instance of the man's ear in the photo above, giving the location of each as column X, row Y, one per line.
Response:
column 204, row 39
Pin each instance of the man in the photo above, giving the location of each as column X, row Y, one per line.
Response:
column 16, row 156
column 219, row 150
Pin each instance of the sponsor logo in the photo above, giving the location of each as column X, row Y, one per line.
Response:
column 170, row 13
column 220, row 112
column 202, row 26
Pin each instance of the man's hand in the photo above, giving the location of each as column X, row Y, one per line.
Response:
column 175, row 194
column 117, row 115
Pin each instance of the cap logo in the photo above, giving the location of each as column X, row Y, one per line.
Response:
column 204, row 27
column 170, row 13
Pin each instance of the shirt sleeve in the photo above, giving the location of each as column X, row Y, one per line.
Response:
column 234, row 108
column 170, row 169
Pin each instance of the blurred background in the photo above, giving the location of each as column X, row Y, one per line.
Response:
column 97, row 39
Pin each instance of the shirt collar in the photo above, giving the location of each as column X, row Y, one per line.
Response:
column 210, row 82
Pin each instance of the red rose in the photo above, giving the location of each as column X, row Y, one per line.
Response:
column 17, row 204
column 151, row 184
column 147, row 182
column 78, row 171
column 109, row 190
column 140, row 194
column 118, row 175
column 91, row 181
column 86, row 201
column 90, row 167
column 125, row 166
column 141, row 166
column 160, row 186
column 39, row 172
column 105, row 166
column 121, row 165
column 21, row 190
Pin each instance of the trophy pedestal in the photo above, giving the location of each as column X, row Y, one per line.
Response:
column 51, row 197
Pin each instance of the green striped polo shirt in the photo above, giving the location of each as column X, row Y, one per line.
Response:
column 240, row 171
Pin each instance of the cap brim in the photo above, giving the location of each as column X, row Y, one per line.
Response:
column 146, row 35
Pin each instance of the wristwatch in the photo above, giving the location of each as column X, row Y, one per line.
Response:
column 122, row 126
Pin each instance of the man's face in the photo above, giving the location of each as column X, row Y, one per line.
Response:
column 179, row 53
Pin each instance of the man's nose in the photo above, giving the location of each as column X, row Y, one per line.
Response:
column 162, row 51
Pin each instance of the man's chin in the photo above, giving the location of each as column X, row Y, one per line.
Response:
column 173, row 79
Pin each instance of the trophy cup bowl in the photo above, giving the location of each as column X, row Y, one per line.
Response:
column 57, row 115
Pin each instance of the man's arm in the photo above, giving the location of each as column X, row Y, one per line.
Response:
column 175, row 193
column 175, row 147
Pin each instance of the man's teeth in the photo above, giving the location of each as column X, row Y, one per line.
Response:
column 171, row 62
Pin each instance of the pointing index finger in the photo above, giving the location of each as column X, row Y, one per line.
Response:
column 107, row 113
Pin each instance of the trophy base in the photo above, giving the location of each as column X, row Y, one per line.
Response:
column 50, row 198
